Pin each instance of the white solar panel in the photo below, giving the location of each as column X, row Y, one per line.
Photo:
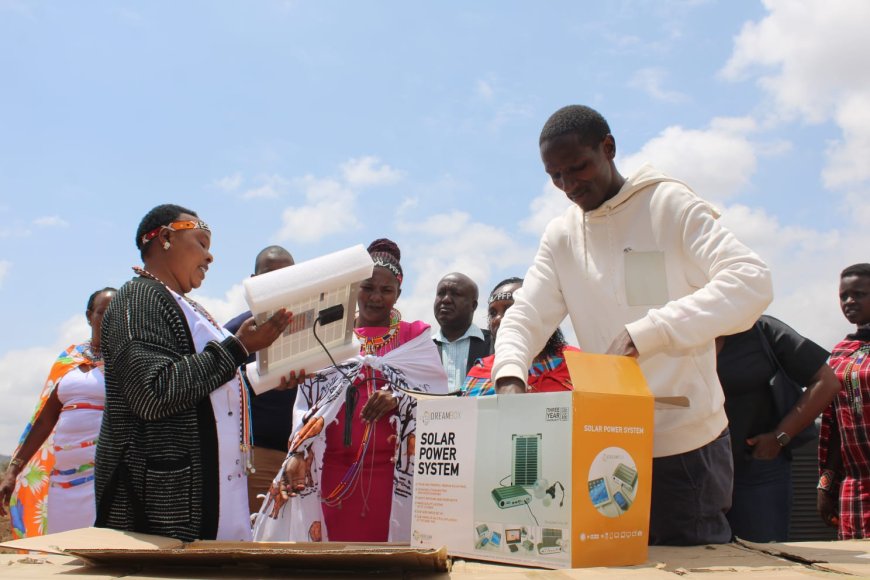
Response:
column 307, row 289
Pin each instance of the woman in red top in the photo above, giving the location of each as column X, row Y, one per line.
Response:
column 549, row 372
column 349, row 474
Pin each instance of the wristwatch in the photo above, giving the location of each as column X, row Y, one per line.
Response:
column 783, row 439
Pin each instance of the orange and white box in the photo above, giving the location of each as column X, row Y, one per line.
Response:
column 557, row 480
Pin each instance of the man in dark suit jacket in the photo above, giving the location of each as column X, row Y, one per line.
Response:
column 460, row 342
column 272, row 411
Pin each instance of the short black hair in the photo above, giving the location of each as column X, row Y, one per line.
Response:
column 581, row 120
column 271, row 252
column 862, row 269
column 162, row 215
column 93, row 297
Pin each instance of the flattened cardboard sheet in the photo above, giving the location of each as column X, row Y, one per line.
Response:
column 102, row 546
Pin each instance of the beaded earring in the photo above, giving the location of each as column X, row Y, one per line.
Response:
column 166, row 245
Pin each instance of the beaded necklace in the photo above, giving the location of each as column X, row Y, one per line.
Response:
column 351, row 478
column 245, row 429
column 94, row 359
column 852, row 380
column 371, row 344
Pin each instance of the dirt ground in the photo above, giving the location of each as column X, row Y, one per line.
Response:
column 5, row 531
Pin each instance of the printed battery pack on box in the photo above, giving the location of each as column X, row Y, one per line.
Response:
column 554, row 480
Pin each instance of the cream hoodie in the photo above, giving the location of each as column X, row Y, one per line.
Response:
column 653, row 260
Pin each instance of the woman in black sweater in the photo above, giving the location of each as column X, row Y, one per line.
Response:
column 174, row 443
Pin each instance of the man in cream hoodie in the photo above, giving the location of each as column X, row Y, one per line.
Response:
column 644, row 269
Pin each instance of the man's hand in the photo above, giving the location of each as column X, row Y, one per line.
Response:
column 622, row 345
column 764, row 446
column 510, row 386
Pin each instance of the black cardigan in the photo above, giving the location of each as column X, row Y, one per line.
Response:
column 156, row 461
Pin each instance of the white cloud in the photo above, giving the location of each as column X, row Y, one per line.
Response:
column 330, row 210
column 848, row 158
column 806, row 264
column 717, row 162
column 484, row 90
column 550, row 204
column 807, row 54
column 406, row 205
column 443, row 243
column 368, row 171
column 15, row 231
column 650, row 81
column 331, row 202
column 22, row 374
column 19, row 7
column 51, row 221
column 271, row 186
column 224, row 309
column 229, row 183
column 5, row 266
column 809, row 59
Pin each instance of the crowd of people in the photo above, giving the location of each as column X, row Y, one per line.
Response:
column 152, row 426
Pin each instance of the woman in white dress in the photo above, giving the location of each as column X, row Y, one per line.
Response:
column 49, row 483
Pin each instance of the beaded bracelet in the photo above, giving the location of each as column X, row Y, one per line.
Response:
column 827, row 481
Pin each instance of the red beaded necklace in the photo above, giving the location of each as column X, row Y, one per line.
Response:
column 372, row 344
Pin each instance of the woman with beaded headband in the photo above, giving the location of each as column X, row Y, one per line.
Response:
column 52, row 470
column 844, row 448
column 175, row 442
column 348, row 476
column 548, row 373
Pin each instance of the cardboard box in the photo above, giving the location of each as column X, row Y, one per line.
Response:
column 554, row 479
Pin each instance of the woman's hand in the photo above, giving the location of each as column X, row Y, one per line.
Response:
column 7, row 486
column 379, row 404
column 256, row 337
column 764, row 446
column 826, row 505
column 291, row 381
column 295, row 476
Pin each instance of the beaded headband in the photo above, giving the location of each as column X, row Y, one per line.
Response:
column 501, row 296
column 391, row 266
column 176, row 226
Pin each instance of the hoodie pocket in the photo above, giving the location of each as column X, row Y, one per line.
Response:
column 646, row 280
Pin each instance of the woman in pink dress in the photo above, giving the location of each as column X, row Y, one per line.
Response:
column 350, row 469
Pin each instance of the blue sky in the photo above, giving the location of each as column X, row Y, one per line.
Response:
column 318, row 125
